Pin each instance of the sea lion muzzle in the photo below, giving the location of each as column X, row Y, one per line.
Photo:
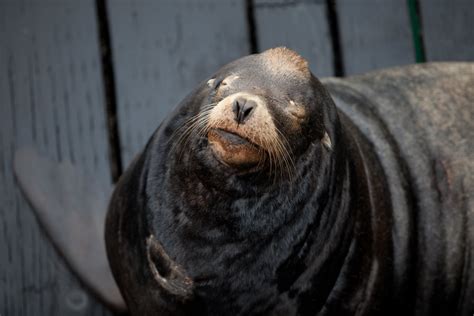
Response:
column 240, row 128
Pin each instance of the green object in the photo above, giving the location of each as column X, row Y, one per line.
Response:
column 416, row 31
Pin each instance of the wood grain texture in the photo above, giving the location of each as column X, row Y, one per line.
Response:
column 448, row 29
column 300, row 25
column 50, row 97
column 374, row 34
column 162, row 50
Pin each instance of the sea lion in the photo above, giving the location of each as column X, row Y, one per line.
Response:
column 258, row 196
column 268, row 192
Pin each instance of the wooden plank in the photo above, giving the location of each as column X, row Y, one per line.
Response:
column 448, row 29
column 162, row 50
column 300, row 25
column 50, row 97
column 374, row 34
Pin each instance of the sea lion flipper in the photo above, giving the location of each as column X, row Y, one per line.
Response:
column 71, row 207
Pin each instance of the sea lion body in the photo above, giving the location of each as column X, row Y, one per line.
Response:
column 419, row 121
column 369, row 211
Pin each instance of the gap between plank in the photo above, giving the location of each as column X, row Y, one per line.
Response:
column 333, row 21
column 416, row 30
column 251, row 26
column 110, row 95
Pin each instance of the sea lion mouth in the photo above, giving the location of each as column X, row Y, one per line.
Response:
column 233, row 137
column 234, row 150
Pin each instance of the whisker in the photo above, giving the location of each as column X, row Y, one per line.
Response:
column 205, row 110
column 291, row 167
column 191, row 125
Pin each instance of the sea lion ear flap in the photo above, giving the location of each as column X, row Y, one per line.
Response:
column 167, row 273
column 71, row 207
column 326, row 141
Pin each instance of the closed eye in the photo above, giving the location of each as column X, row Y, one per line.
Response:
column 215, row 83
column 227, row 81
column 296, row 110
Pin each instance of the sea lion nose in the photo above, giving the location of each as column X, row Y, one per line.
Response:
column 243, row 109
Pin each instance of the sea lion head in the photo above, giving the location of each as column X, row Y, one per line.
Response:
column 259, row 113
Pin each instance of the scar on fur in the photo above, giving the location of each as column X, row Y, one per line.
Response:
column 326, row 141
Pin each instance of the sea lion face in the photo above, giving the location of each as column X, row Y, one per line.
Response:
column 261, row 111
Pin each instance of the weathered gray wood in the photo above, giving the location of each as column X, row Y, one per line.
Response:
column 448, row 29
column 73, row 214
column 300, row 25
column 374, row 34
column 50, row 97
column 162, row 50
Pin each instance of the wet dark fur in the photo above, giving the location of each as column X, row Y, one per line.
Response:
column 319, row 241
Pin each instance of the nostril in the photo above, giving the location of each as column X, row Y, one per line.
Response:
column 236, row 106
column 247, row 110
column 242, row 109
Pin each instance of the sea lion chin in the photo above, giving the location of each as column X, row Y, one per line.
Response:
column 233, row 150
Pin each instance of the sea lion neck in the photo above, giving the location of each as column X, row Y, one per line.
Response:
column 303, row 216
